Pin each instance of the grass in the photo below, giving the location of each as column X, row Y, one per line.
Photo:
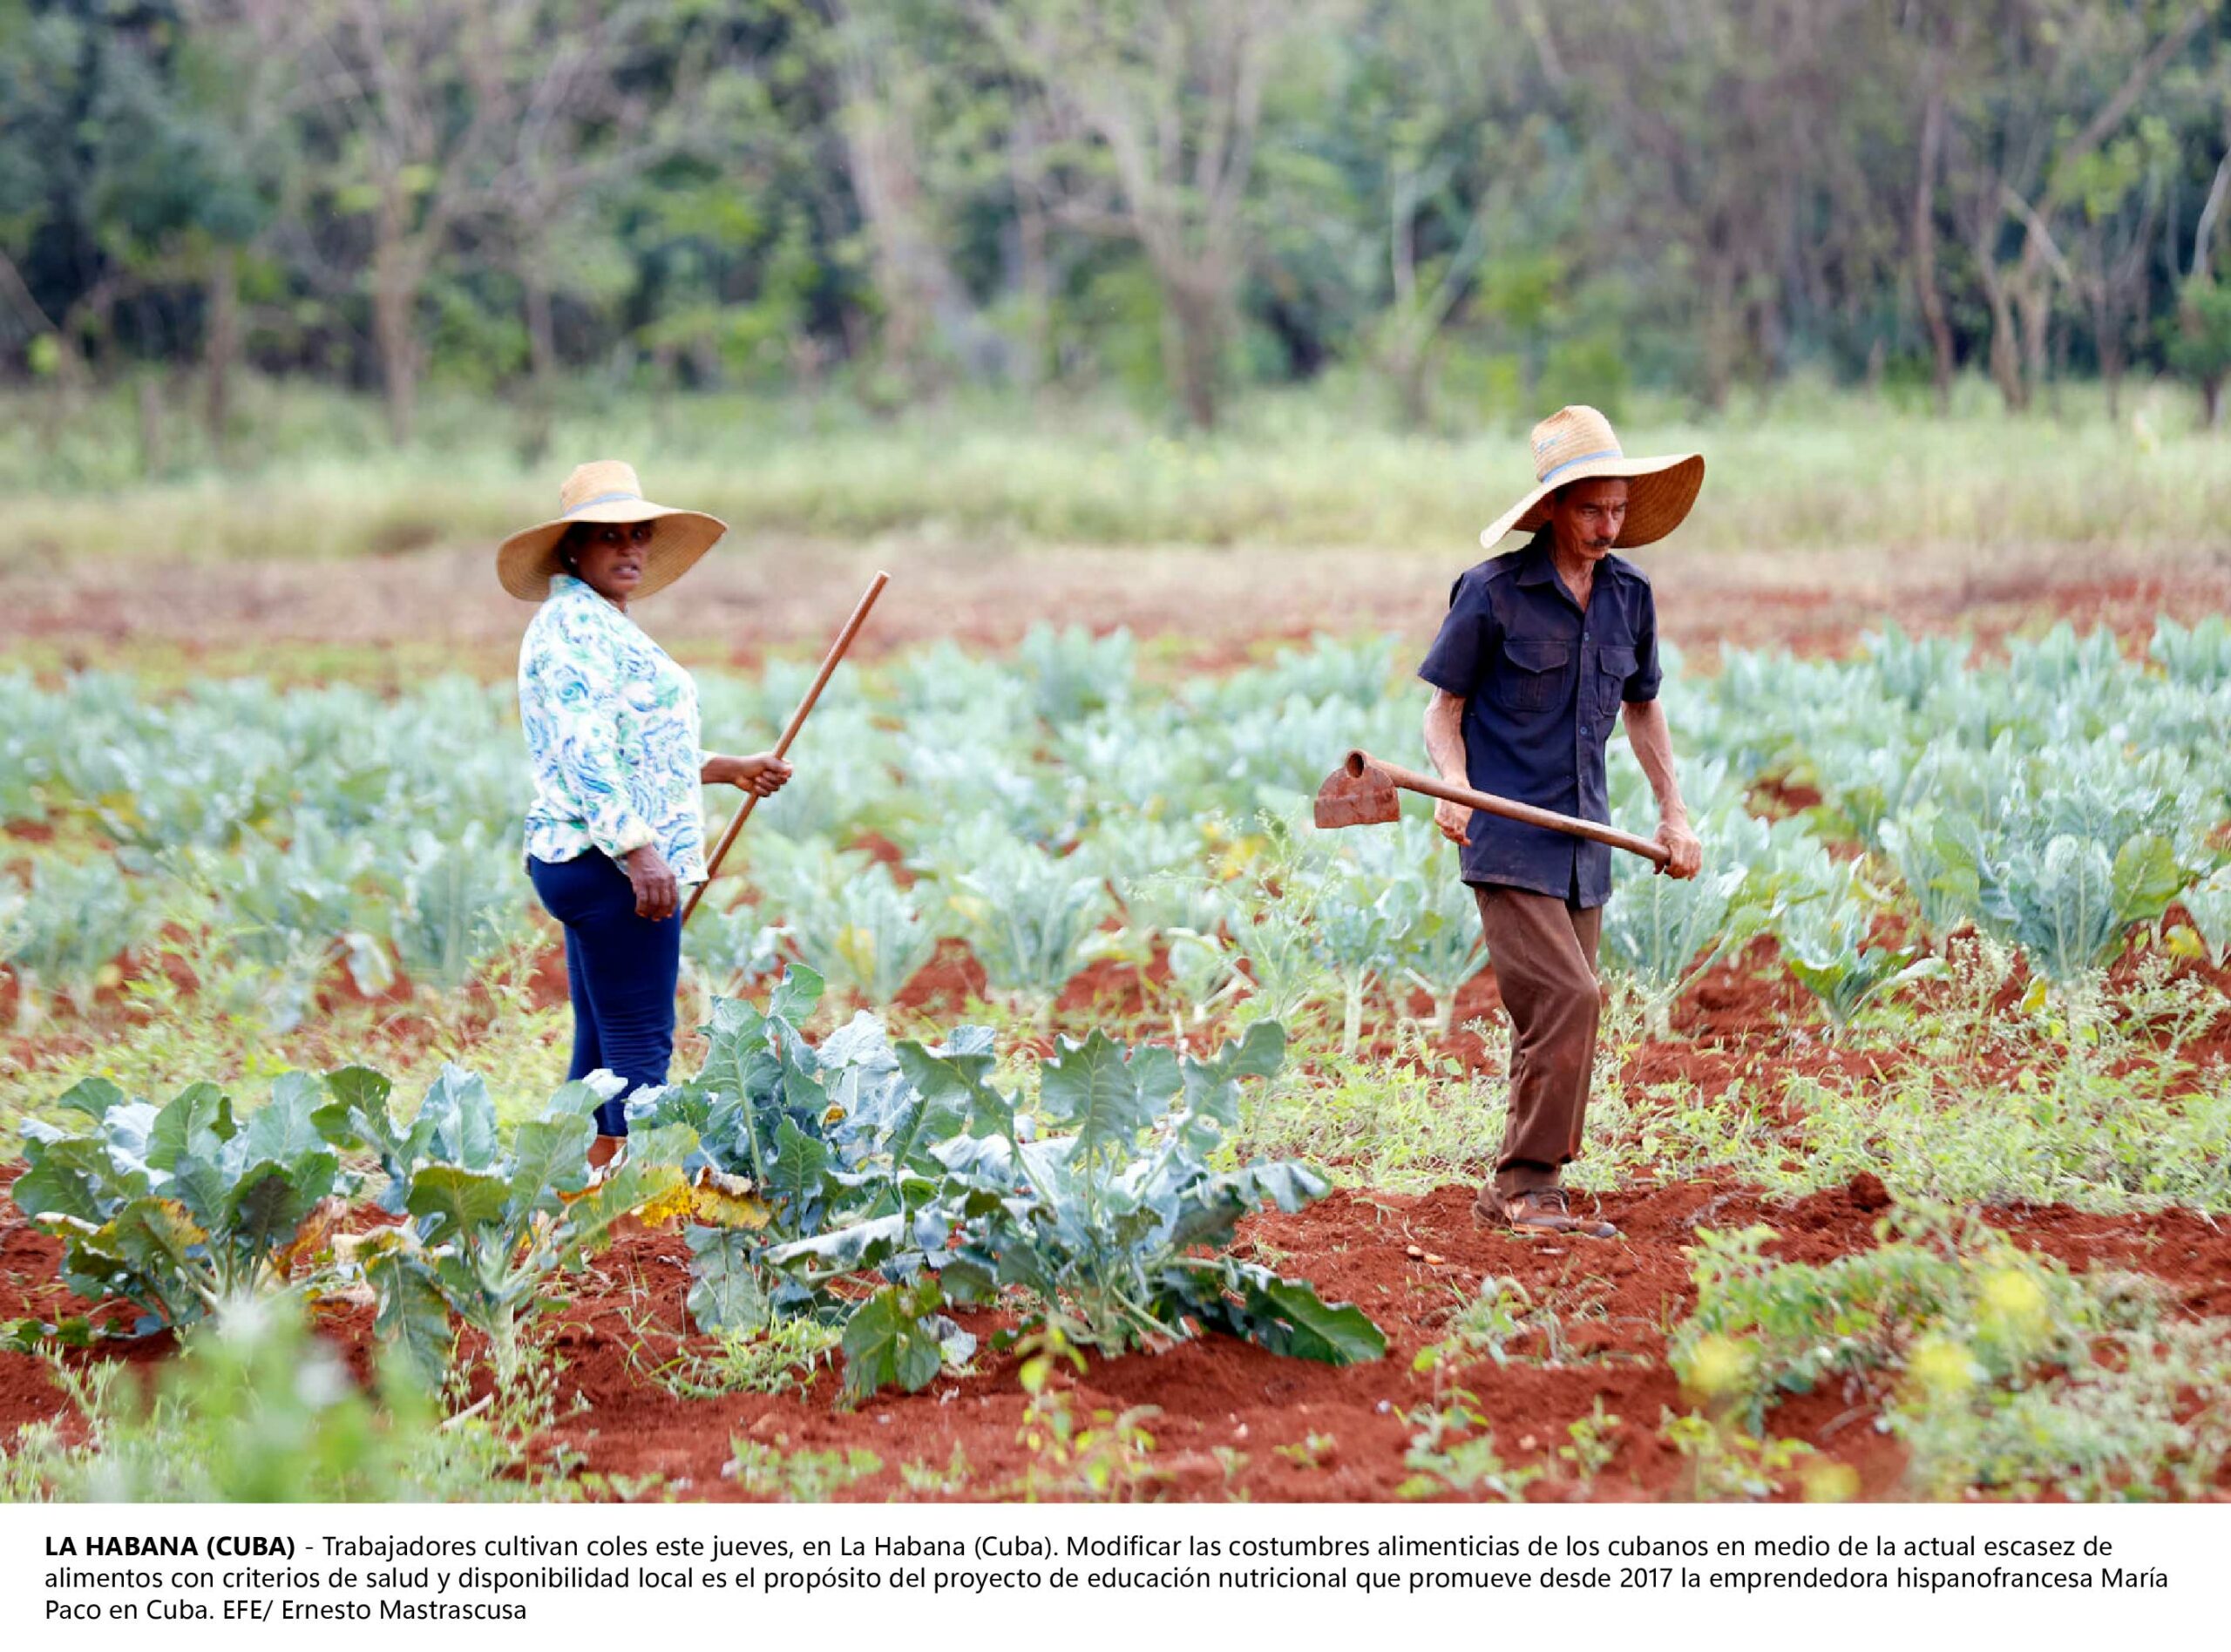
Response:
column 1999, row 1370
column 1805, row 468
column 257, row 1410
column 779, row 1358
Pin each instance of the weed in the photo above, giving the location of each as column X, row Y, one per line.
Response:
column 1106, row 1456
column 761, row 1470
column 256, row 1410
column 783, row 1357
column 1455, row 1451
column 926, row 1480
column 2000, row 1368
column 1727, row 1464
column 1312, row 1450
column 1594, row 1443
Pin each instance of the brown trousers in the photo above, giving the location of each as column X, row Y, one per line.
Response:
column 1543, row 951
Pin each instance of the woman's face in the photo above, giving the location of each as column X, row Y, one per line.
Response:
column 609, row 555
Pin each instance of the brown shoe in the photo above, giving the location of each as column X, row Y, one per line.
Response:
column 1538, row 1211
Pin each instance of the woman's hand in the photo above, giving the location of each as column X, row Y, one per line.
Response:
column 762, row 775
column 657, row 894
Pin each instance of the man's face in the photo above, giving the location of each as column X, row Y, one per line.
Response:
column 1587, row 516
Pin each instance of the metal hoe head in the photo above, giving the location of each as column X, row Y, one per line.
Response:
column 1358, row 793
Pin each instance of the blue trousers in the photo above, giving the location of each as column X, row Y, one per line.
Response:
column 620, row 970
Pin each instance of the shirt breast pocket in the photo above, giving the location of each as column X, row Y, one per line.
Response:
column 1615, row 663
column 1532, row 675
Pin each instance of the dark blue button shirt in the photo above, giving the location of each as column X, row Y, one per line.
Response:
column 1541, row 682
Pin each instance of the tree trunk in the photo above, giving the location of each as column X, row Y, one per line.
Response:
column 1722, row 327
column 2107, row 334
column 1180, row 369
column 1416, row 382
column 395, row 295
column 1924, row 247
column 1192, row 343
column 398, row 372
column 930, row 321
column 154, row 446
column 220, row 346
column 2033, row 300
column 1034, row 273
column 2006, row 353
column 541, row 332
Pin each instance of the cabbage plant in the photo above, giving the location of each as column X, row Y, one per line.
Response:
column 1099, row 1220
column 178, row 1209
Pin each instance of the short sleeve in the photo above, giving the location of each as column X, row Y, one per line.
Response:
column 1467, row 643
column 1643, row 684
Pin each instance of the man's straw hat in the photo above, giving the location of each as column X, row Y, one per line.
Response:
column 1578, row 444
column 606, row 490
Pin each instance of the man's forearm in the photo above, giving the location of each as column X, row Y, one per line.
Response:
column 1652, row 741
column 1445, row 737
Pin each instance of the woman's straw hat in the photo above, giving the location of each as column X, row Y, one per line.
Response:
column 606, row 490
column 1578, row 444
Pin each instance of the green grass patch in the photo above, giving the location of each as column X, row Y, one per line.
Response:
column 1804, row 468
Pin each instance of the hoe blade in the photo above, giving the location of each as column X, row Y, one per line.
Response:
column 1358, row 793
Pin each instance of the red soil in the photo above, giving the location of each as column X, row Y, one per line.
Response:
column 1409, row 1261
column 945, row 984
column 887, row 853
column 1226, row 1409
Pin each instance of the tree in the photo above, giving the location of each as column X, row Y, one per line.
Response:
column 2064, row 79
column 1727, row 125
column 430, row 115
column 2200, row 340
column 1160, row 104
column 896, row 70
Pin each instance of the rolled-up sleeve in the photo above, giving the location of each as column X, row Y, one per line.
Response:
column 1465, row 644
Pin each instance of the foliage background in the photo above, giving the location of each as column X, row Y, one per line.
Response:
column 1462, row 207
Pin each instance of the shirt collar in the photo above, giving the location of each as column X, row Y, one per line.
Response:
column 570, row 585
column 1538, row 563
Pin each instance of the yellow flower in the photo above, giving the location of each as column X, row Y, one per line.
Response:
column 2014, row 1303
column 1944, row 1368
column 1719, row 1366
column 1830, row 1482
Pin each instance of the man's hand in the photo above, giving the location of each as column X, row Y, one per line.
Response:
column 1444, row 733
column 657, row 895
column 762, row 775
column 1685, row 854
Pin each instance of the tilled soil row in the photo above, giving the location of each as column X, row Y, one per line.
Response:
column 1229, row 1419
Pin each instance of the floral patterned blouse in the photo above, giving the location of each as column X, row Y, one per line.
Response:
column 611, row 733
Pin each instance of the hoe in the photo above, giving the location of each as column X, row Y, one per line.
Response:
column 1366, row 791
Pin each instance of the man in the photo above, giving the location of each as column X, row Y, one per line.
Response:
column 1542, row 647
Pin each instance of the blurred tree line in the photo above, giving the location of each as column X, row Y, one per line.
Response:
column 1462, row 199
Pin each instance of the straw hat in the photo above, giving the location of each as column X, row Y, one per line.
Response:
column 1578, row 444
column 606, row 490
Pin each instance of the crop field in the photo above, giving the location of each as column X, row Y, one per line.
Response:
column 1067, row 1118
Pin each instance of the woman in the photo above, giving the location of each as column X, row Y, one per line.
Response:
column 617, row 826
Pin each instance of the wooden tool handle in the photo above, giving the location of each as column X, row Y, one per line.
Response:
column 1487, row 803
column 790, row 731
